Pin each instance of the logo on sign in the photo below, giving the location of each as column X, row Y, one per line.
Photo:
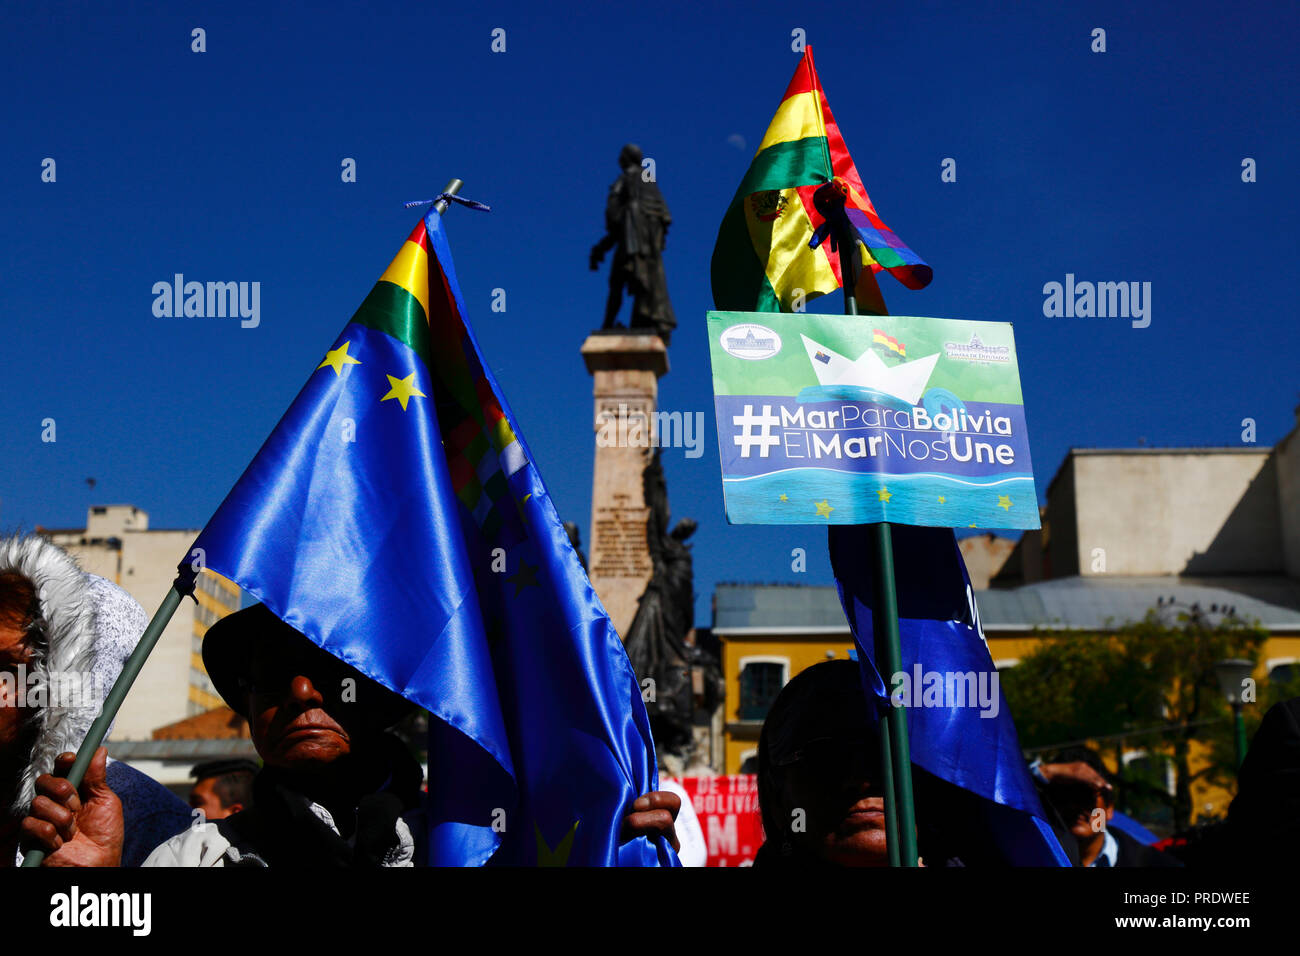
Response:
column 752, row 342
column 976, row 351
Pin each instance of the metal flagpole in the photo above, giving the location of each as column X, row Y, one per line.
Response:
column 450, row 189
column 181, row 587
column 895, row 751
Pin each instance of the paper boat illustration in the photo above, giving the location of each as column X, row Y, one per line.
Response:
column 905, row 381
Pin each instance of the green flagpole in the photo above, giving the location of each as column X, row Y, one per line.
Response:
column 182, row 586
column 895, row 750
column 889, row 654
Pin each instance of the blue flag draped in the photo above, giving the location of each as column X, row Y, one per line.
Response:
column 966, row 743
column 348, row 526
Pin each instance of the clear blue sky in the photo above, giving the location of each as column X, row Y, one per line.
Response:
column 225, row 165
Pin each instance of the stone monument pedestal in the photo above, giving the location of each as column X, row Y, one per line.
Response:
column 626, row 365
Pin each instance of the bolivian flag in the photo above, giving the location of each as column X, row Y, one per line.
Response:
column 888, row 341
column 762, row 256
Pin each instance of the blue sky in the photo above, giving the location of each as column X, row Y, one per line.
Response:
column 225, row 165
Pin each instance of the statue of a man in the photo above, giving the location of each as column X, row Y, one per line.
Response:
column 656, row 640
column 636, row 227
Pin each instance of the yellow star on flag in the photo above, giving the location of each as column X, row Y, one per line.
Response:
column 525, row 577
column 1004, row 501
column 785, row 497
column 337, row 358
column 403, row 389
column 560, row 855
column 884, row 495
column 824, row 509
column 942, row 500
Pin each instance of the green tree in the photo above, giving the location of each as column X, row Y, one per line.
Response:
column 1148, row 684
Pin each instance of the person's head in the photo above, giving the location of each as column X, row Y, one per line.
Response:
column 1082, row 807
column 306, row 709
column 62, row 630
column 818, row 770
column 222, row 787
column 20, row 635
column 629, row 157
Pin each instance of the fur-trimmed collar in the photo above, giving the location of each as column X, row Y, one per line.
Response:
column 64, row 643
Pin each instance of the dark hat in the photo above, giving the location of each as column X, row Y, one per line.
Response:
column 824, row 700
column 228, row 657
column 228, row 650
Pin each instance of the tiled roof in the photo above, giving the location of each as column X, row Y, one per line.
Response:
column 1073, row 602
column 220, row 723
column 776, row 605
column 194, row 751
column 1094, row 602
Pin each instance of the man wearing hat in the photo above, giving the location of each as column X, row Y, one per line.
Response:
column 335, row 789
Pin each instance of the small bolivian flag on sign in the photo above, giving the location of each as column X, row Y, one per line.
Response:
column 888, row 341
column 395, row 517
column 762, row 257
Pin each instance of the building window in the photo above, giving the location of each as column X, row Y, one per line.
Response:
column 1284, row 675
column 761, row 679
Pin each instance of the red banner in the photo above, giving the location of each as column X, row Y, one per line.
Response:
column 727, row 808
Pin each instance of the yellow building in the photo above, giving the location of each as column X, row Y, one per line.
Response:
column 216, row 596
column 769, row 633
column 1124, row 532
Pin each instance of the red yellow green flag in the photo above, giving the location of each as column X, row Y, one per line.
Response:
column 762, row 261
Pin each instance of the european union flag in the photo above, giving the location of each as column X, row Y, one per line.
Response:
column 396, row 517
column 958, row 723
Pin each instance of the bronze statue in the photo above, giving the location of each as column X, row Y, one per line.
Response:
column 636, row 227
column 656, row 641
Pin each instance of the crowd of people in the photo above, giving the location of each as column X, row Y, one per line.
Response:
column 335, row 788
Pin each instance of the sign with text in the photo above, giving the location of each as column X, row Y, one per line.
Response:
column 727, row 808
column 855, row 419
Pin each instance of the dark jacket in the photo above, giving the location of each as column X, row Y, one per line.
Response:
column 1264, row 818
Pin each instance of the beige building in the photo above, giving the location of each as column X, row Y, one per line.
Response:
column 1166, row 511
column 984, row 555
column 118, row 544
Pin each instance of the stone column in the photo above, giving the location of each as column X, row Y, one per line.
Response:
column 626, row 366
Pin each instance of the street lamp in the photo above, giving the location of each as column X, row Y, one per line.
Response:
column 1233, row 674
